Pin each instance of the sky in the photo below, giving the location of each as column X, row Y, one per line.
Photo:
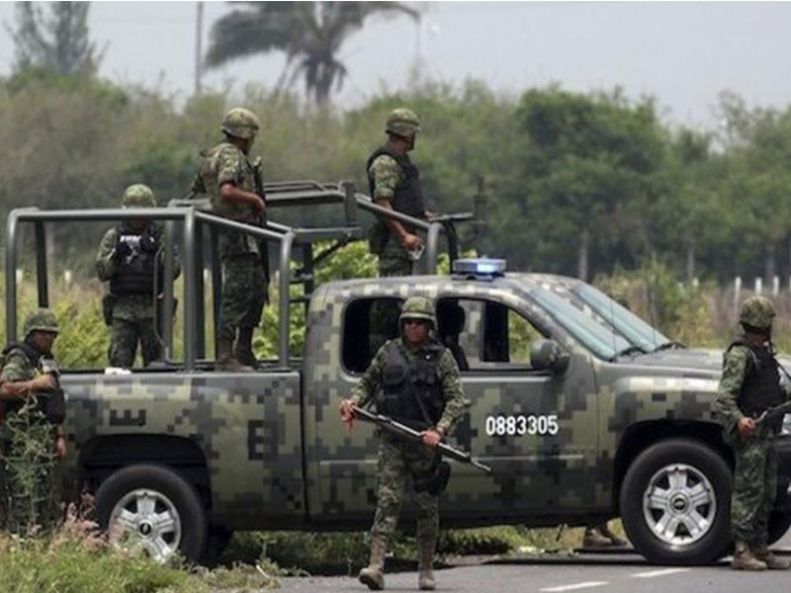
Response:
column 682, row 53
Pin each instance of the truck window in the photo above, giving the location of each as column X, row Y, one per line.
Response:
column 367, row 325
column 485, row 334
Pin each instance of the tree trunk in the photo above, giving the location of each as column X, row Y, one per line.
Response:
column 690, row 260
column 582, row 258
column 769, row 263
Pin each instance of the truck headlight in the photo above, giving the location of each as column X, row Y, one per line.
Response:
column 786, row 428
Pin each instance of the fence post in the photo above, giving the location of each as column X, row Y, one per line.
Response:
column 759, row 285
column 775, row 286
column 737, row 289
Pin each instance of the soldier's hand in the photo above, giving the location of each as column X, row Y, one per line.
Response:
column 122, row 249
column 411, row 242
column 431, row 437
column 746, row 427
column 346, row 408
column 148, row 242
column 45, row 382
column 60, row 446
column 257, row 203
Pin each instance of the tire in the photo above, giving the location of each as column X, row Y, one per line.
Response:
column 153, row 508
column 216, row 543
column 675, row 503
column 779, row 524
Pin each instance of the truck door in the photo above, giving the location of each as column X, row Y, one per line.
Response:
column 536, row 430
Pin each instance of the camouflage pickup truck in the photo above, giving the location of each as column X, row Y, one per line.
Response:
column 180, row 455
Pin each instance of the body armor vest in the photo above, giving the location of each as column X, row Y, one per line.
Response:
column 411, row 389
column 761, row 387
column 408, row 198
column 135, row 273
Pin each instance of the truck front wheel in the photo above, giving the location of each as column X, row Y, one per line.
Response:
column 151, row 507
column 675, row 503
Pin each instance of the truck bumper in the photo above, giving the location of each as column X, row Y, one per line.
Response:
column 783, row 449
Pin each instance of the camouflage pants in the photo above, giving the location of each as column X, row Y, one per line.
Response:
column 124, row 337
column 394, row 259
column 754, row 489
column 399, row 464
column 244, row 294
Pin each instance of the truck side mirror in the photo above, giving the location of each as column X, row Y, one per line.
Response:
column 547, row 355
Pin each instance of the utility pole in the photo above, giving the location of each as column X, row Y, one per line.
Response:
column 198, row 47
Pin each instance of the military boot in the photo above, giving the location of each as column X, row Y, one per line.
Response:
column 743, row 558
column 226, row 360
column 244, row 348
column 604, row 529
column 373, row 575
column 594, row 539
column 425, row 563
column 762, row 553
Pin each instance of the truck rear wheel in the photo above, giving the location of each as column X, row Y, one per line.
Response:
column 675, row 503
column 151, row 507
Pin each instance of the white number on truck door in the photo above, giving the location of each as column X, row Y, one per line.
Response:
column 520, row 425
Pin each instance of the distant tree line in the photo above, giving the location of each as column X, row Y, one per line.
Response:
column 579, row 184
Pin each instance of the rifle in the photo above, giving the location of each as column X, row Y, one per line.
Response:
column 398, row 429
column 773, row 412
column 260, row 219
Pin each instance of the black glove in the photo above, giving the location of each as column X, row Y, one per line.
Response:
column 148, row 242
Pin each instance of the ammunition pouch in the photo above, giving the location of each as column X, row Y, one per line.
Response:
column 108, row 303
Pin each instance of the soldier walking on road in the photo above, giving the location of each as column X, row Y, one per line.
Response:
column 32, row 436
column 395, row 183
column 233, row 184
column 749, row 386
column 414, row 380
column 129, row 259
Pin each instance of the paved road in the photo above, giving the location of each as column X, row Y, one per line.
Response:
column 592, row 573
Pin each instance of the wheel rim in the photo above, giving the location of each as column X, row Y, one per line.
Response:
column 679, row 504
column 146, row 520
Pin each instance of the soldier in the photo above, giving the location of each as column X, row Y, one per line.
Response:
column 415, row 380
column 395, row 183
column 233, row 184
column 750, row 385
column 33, row 409
column 127, row 258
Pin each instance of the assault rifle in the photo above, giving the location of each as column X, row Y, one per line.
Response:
column 772, row 413
column 396, row 428
column 260, row 218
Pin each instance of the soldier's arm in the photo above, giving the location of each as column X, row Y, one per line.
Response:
column 229, row 168
column 452, row 393
column 386, row 175
column 13, row 382
column 106, row 266
column 370, row 382
column 735, row 366
column 197, row 187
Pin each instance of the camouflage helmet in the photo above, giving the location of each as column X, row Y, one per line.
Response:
column 758, row 312
column 402, row 122
column 240, row 123
column 138, row 196
column 40, row 320
column 418, row 307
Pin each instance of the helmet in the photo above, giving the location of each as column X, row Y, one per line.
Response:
column 402, row 122
column 418, row 307
column 240, row 123
column 758, row 312
column 40, row 320
column 138, row 196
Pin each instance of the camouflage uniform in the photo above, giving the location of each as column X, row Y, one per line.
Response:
column 755, row 472
column 402, row 464
column 130, row 305
column 30, row 479
column 245, row 279
column 387, row 178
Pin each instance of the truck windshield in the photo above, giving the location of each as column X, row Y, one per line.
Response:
column 599, row 339
column 622, row 320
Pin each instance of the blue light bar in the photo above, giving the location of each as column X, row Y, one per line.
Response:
column 479, row 267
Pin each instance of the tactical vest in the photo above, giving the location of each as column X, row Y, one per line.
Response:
column 51, row 404
column 408, row 197
column 761, row 387
column 135, row 273
column 411, row 389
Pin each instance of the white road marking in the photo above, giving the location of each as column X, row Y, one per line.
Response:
column 575, row 586
column 658, row 573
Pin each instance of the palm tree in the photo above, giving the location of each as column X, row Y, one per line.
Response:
column 310, row 33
